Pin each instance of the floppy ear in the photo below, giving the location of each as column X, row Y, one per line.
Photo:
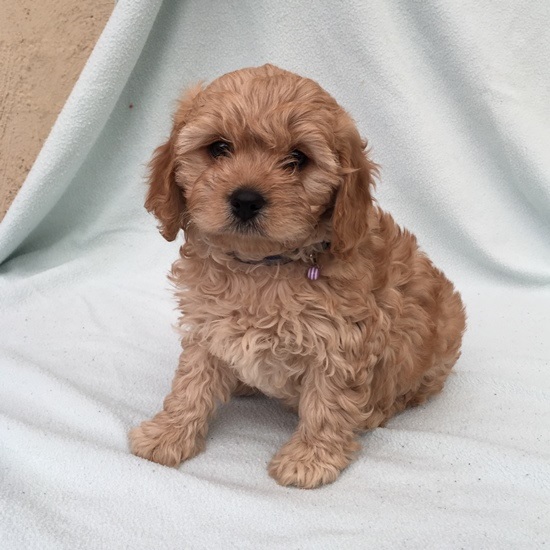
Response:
column 165, row 198
column 353, row 198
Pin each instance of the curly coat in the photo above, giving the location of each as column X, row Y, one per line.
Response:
column 380, row 329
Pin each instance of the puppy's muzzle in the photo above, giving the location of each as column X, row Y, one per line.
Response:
column 246, row 203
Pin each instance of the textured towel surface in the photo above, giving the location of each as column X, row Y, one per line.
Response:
column 454, row 100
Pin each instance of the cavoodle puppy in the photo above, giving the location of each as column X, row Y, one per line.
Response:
column 292, row 282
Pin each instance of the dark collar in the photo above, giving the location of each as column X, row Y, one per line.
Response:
column 278, row 259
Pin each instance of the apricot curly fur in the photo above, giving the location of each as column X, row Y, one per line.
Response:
column 379, row 331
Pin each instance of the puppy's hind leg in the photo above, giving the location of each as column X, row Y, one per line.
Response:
column 178, row 432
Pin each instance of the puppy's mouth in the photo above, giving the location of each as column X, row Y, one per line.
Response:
column 252, row 228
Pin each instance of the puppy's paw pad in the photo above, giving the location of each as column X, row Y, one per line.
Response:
column 160, row 443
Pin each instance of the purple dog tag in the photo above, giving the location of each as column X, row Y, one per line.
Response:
column 313, row 273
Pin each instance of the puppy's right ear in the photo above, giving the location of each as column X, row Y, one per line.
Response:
column 165, row 199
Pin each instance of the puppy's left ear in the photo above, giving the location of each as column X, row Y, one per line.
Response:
column 165, row 198
column 353, row 198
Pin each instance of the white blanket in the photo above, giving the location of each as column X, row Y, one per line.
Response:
column 453, row 97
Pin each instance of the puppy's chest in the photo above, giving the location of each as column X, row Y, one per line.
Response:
column 268, row 334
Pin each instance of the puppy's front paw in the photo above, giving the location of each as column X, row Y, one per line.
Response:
column 159, row 441
column 307, row 466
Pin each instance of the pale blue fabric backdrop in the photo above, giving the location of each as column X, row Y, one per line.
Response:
column 453, row 98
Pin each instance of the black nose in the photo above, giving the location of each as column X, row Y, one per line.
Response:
column 246, row 203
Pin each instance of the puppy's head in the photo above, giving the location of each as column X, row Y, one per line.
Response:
column 262, row 159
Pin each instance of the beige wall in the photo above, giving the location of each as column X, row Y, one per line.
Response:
column 43, row 47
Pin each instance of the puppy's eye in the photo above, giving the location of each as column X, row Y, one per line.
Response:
column 219, row 149
column 296, row 160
